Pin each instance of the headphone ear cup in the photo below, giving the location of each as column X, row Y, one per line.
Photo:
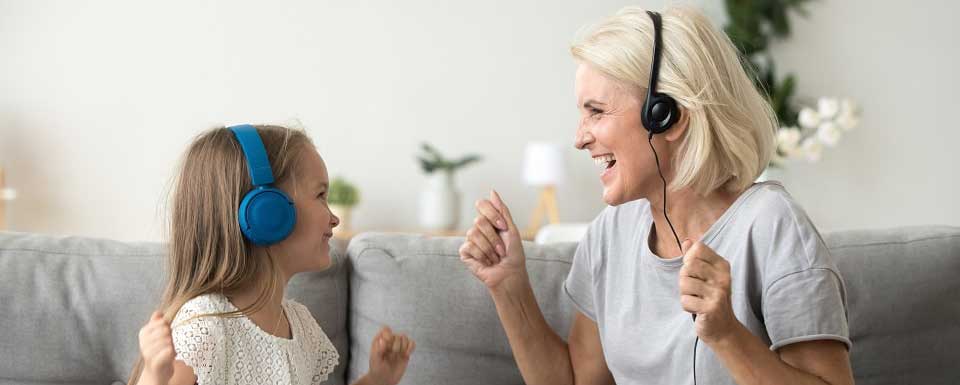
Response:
column 659, row 113
column 266, row 216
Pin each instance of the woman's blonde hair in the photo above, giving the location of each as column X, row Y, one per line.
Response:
column 207, row 253
column 730, row 137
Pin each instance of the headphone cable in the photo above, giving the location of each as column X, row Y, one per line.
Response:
column 679, row 246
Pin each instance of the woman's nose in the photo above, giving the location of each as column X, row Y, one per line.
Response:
column 583, row 138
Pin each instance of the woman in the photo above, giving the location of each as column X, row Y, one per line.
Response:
column 767, row 301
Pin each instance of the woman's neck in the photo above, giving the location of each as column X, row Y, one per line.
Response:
column 691, row 215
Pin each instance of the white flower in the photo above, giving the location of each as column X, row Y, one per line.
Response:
column 828, row 133
column 847, row 122
column 849, row 117
column 788, row 141
column 808, row 118
column 811, row 149
column 828, row 107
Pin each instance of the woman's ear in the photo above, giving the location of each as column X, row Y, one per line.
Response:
column 680, row 127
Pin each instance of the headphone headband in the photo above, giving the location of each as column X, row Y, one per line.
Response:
column 257, row 163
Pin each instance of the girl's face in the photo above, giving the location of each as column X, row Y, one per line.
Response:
column 308, row 246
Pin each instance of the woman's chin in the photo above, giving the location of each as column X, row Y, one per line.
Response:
column 617, row 198
column 610, row 197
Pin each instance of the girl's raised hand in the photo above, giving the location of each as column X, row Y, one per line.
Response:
column 156, row 347
column 389, row 355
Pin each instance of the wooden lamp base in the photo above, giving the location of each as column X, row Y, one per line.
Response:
column 546, row 205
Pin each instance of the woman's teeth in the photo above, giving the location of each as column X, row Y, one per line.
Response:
column 605, row 161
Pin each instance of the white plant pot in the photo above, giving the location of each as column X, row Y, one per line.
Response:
column 440, row 203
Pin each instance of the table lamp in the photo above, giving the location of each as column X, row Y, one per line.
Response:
column 543, row 167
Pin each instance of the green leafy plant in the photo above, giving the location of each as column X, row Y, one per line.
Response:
column 754, row 25
column 342, row 193
column 432, row 160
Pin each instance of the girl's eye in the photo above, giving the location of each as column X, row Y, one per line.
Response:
column 322, row 195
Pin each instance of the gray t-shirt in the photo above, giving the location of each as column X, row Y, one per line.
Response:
column 785, row 287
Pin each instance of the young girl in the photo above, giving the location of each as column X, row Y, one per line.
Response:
column 235, row 242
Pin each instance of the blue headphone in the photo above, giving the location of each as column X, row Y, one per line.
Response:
column 266, row 213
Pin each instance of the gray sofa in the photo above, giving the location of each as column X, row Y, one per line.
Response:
column 70, row 307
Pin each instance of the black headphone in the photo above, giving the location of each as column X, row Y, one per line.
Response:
column 659, row 110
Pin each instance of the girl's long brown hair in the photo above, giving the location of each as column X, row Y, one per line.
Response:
column 207, row 253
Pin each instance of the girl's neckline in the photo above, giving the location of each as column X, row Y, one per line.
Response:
column 284, row 306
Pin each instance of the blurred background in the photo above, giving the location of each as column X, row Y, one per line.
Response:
column 99, row 98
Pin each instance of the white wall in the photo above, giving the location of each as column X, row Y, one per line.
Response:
column 99, row 98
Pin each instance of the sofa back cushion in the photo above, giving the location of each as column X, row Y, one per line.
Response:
column 419, row 286
column 902, row 303
column 71, row 307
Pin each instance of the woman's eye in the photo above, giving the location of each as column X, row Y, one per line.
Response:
column 322, row 195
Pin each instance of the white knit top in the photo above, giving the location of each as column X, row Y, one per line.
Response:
column 234, row 350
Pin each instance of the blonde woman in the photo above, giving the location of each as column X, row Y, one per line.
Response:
column 223, row 318
column 767, row 301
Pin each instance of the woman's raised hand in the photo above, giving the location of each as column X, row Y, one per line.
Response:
column 493, row 249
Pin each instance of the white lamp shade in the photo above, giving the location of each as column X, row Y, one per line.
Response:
column 543, row 164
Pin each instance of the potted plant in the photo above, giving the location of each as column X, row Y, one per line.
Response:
column 440, row 201
column 342, row 197
column 805, row 127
